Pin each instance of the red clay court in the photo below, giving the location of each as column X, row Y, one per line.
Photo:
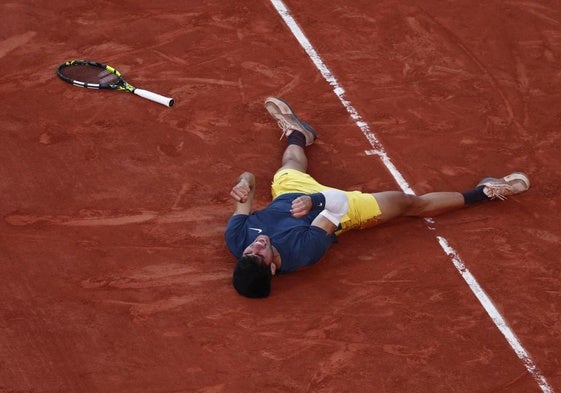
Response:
column 114, row 272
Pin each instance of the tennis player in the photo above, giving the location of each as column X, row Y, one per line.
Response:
column 305, row 217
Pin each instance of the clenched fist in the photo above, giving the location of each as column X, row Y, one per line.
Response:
column 301, row 206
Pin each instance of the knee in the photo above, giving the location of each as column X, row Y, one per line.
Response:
column 397, row 204
column 413, row 205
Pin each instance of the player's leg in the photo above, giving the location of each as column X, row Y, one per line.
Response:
column 396, row 204
column 294, row 157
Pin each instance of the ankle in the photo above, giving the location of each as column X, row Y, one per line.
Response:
column 475, row 195
column 297, row 138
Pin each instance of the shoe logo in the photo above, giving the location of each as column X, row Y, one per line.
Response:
column 259, row 230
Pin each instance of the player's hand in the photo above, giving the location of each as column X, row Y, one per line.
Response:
column 301, row 206
column 240, row 191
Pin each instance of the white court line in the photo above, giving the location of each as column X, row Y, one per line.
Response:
column 379, row 150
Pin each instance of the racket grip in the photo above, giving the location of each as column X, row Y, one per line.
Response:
column 167, row 101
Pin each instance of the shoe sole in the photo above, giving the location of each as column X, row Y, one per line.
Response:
column 518, row 176
column 508, row 178
column 280, row 103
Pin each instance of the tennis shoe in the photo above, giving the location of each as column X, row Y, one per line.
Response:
column 287, row 119
column 515, row 183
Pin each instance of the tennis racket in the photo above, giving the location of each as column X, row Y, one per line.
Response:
column 94, row 75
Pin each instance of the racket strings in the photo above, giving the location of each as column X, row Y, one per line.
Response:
column 106, row 77
column 89, row 74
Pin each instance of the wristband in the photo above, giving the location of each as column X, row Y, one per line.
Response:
column 318, row 201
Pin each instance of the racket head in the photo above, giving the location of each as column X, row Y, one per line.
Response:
column 92, row 75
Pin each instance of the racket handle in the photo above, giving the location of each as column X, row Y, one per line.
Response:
column 167, row 101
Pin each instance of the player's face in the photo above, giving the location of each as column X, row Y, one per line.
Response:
column 262, row 248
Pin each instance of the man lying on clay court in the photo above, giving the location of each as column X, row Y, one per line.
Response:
column 304, row 218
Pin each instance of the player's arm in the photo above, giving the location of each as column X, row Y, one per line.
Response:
column 334, row 205
column 242, row 192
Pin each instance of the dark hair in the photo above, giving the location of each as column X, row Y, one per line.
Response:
column 251, row 277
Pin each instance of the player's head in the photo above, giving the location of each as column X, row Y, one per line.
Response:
column 252, row 277
column 262, row 248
